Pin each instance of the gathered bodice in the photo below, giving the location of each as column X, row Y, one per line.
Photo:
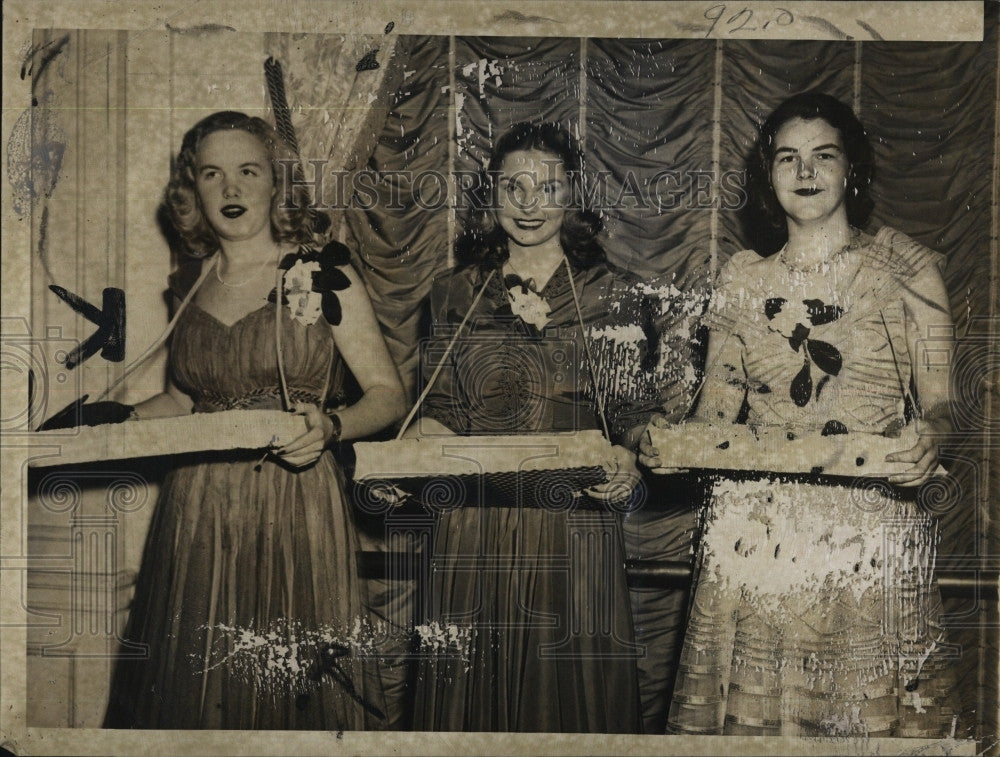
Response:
column 504, row 375
column 236, row 366
column 830, row 344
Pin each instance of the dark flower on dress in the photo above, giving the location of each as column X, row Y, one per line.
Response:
column 310, row 282
column 788, row 321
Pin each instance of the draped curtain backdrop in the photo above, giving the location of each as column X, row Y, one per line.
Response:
column 666, row 126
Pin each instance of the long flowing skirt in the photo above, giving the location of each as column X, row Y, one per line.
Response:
column 537, row 607
column 814, row 614
column 248, row 604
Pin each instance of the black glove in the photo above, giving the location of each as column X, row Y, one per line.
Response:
column 94, row 414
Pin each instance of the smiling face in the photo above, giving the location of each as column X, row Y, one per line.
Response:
column 532, row 192
column 235, row 185
column 809, row 171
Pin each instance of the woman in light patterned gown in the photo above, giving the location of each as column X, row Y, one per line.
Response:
column 814, row 612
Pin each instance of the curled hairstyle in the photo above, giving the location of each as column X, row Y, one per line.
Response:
column 484, row 242
column 292, row 221
column 767, row 220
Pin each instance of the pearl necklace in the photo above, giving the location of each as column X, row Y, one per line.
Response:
column 243, row 283
column 854, row 244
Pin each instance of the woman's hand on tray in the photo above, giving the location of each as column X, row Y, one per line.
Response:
column 387, row 493
column 650, row 455
column 306, row 448
column 923, row 455
column 623, row 477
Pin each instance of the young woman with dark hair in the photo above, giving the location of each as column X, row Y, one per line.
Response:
column 485, row 241
column 541, row 301
column 766, row 215
column 814, row 611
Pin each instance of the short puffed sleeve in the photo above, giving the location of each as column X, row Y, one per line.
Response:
column 730, row 299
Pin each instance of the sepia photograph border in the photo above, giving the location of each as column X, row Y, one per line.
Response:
column 905, row 22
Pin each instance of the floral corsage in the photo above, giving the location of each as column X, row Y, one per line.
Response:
column 310, row 282
column 526, row 303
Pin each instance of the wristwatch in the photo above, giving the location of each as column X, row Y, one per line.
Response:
column 338, row 427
